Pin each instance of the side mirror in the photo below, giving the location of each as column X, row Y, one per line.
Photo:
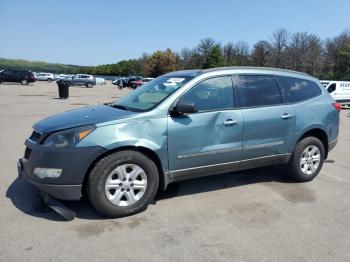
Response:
column 183, row 107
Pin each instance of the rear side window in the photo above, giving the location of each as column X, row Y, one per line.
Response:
column 296, row 90
column 256, row 90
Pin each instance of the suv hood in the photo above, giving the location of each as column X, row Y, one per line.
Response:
column 79, row 117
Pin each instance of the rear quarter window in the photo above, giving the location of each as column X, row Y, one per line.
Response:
column 296, row 89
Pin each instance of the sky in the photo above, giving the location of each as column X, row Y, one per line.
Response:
column 86, row 32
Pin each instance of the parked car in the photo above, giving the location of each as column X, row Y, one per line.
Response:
column 114, row 81
column 134, row 82
column 45, row 77
column 60, row 76
column 100, row 80
column 147, row 79
column 79, row 80
column 182, row 125
column 17, row 75
column 339, row 90
column 121, row 82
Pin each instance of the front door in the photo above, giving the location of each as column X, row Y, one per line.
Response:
column 209, row 141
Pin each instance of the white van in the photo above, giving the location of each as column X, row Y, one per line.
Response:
column 339, row 90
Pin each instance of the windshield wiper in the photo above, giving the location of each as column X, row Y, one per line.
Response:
column 120, row 107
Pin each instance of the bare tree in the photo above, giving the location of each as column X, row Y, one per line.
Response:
column 313, row 60
column 261, row 53
column 241, row 53
column 297, row 50
column 229, row 53
column 279, row 41
column 185, row 56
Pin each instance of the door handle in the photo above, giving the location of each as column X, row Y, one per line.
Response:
column 286, row 116
column 230, row 122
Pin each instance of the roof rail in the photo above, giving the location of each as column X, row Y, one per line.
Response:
column 252, row 68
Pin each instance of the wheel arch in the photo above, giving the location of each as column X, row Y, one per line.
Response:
column 163, row 180
column 319, row 133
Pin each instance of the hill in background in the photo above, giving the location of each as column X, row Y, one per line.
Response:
column 38, row 66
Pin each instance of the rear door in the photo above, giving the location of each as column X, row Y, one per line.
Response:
column 268, row 123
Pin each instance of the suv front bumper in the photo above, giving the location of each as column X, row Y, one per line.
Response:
column 74, row 163
column 63, row 192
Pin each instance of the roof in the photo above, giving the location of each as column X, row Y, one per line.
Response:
column 252, row 68
column 217, row 69
column 184, row 73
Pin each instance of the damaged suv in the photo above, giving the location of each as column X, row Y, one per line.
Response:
column 182, row 125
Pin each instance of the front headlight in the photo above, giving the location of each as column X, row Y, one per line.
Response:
column 68, row 138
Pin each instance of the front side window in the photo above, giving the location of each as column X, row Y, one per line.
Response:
column 151, row 94
column 212, row 94
column 257, row 90
column 297, row 89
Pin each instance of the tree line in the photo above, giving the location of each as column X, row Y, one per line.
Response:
column 37, row 66
column 300, row 51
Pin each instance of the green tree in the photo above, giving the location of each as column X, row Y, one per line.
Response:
column 161, row 62
column 215, row 58
column 343, row 65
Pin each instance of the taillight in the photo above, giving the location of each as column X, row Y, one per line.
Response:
column 337, row 106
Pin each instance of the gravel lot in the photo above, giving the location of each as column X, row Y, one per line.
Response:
column 257, row 215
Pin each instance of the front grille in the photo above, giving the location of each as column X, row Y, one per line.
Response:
column 35, row 136
column 27, row 153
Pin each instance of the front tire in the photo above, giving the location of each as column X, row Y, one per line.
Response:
column 49, row 80
column 122, row 184
column 307, row 159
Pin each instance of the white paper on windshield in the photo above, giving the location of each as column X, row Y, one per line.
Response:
column 176, row 80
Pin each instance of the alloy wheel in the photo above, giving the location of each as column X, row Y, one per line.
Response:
column 126, row 185
column 310, row 160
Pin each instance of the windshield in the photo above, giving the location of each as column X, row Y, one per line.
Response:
column 151, row 94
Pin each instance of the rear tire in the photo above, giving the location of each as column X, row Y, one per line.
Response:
column 89, row 85
column 115, row 191
column 307, row 159
column 24, row 82
column 49, row 80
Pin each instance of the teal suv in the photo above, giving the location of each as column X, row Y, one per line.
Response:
column 182, row 125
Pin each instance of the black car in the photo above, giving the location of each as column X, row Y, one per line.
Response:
column 17, row 75
column 121, row 82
